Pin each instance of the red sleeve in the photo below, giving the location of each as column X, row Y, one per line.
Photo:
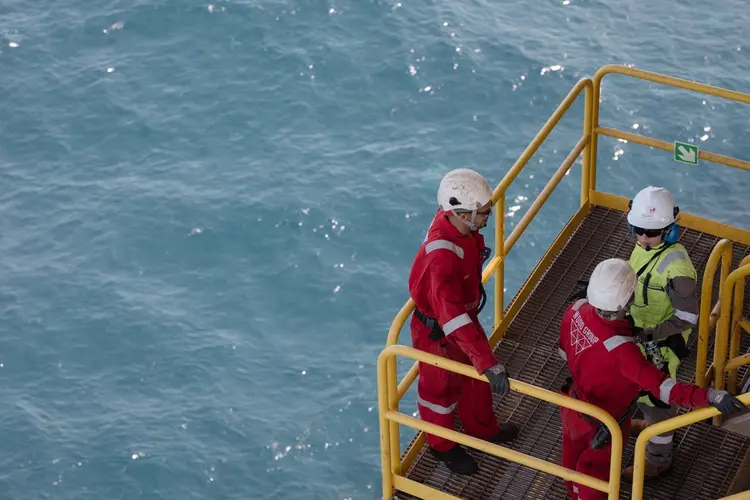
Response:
column 637, row 368
column 450, row 309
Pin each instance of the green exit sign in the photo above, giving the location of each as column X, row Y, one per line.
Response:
column 684, row 152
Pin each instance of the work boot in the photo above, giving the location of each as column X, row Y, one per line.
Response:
column 457, row 460
column 508, row 432
column 636, row 426
column 652, row 473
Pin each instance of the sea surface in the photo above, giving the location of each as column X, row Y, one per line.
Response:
column 208, row 212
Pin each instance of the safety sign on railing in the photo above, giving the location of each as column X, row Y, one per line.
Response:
column 685, row 152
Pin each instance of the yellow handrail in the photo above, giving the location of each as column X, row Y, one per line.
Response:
column 388, row 414
column 722, row 251
column 732, row 366
column 648, row 141
column 671, row 81
column 660, row 428
column 669, row 146
column 742, row 495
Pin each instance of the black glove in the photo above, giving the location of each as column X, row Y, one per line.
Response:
column 566, row 386
column 498, row 378
column 639, row 334
column 725, row 402
column 485, row 254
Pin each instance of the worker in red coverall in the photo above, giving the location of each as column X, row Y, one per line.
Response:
column 445, row 284
column 608, row 370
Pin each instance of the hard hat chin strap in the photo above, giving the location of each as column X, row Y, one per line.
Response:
column 620, row 313
column 611, row 315
column 472, row 225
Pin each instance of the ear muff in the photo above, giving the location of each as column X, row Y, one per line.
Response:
column 672, row 232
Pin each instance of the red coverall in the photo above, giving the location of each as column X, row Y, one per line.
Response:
column 608, row 371
column 445, row 284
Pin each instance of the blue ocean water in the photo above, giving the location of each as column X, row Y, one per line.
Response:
column 209, row 212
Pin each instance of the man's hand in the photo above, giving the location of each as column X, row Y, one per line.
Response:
column 643, row 335
column 723, row 401
column 498, row 378
column 638, row 334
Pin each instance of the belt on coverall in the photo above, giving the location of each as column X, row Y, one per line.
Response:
column 602, row 435
column 437, row 333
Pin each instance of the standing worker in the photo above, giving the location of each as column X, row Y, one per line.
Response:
column 446, row 285
column 665, row 310
column 608, row 370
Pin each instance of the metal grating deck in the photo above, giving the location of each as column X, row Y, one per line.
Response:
column 706, row 457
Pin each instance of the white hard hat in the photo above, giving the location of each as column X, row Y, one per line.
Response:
column 463, row 189
column 652, row 208
column 611, row 285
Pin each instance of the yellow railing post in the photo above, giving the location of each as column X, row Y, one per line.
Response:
column 595, row 98
column 639, row 455
column 588, row 129
column 500, row 253
column 392, row 376
column 394, row 431
column 722, row 251
column 385, row 428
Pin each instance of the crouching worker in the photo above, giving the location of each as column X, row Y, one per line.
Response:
column 608, row 370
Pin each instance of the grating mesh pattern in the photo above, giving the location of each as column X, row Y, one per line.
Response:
column 706, row 457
